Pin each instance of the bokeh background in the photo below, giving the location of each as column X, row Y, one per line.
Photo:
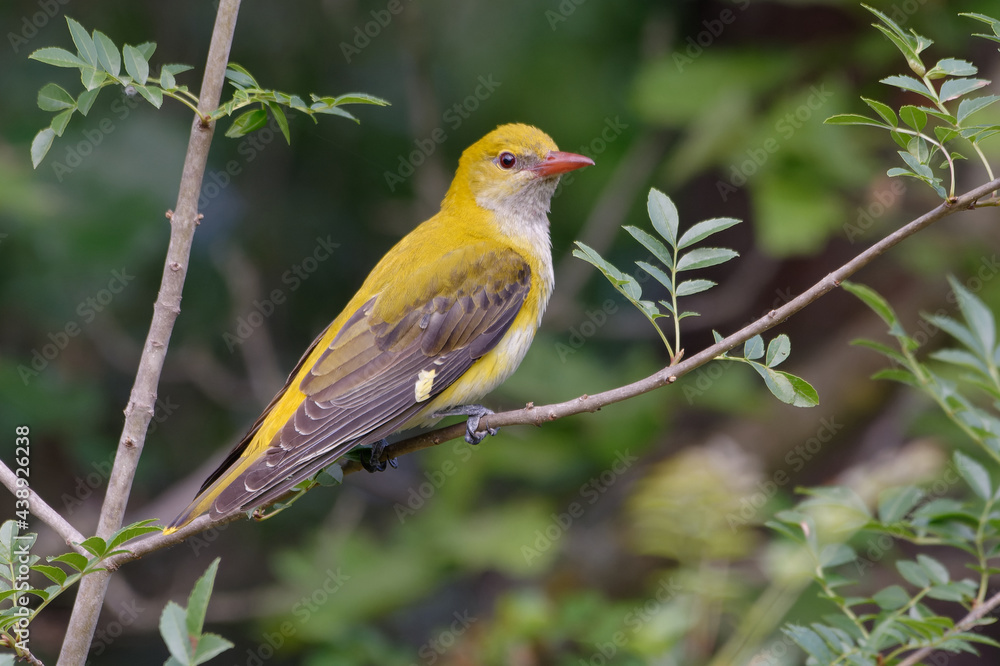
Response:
column 541, row 546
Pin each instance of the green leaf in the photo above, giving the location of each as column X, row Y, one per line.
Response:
column 135, row 64
column 873, row 300
column 660, row 276
column 911, row 84
column 86, row 100
column 56, row 56
column 957, row 331
column 937, row 571
column 754, row 347
column 891, row 598
column 132, row 531
column 55, row 574
column 54, row 98
column 591, row 256
column 91, row 77
column 978, row 316
column 247, row 122
column 883, row 110
column 151, row 94
column 75, row 560
column 172, row 628
column 333, row 111
column 281, row 119
column 146, row 49
column 40, row 145
column 913, row 117
column 778, row 350
column 913, row 573
column 210, row 645
column 952, row 67
column 960, row 357
column 167, row 81
column 969, row 106
column 835, row 554
column 84, row 42
column 663, row 215
column 901, row 376
column 361, row 98
column 60, row 121
column 95, row 545
column 895, row 502
column 175, row 69
column 854, row 119
column 810, row 642
column 689, row 287
column 658, row 249
column 240, row 76
column 704, row 229
column 974, row 474
column 107, row 53
column 955, row 88
column 198, row 601
column 788, row 388
column 703, row 257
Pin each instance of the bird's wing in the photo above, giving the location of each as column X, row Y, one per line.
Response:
column 388, row 359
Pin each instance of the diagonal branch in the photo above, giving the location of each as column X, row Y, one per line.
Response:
column 41, row 509
column 966, row 623
column 139, row 410
column 532, row 415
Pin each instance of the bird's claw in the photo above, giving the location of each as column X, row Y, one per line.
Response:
column 374, row 463
column 475, row 414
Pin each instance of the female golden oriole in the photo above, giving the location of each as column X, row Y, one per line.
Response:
column 445, row 317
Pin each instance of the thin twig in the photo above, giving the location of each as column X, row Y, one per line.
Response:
column 964, row 624
column 139, row 411
column 41, row 509
column 532, row 415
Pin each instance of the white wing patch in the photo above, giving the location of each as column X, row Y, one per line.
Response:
column 425, row 382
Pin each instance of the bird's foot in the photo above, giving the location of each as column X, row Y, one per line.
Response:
column 475, row 414
column 374, row 462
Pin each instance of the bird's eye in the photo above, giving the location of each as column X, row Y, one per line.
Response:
column 506, row 160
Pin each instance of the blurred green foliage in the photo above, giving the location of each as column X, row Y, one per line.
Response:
column 488, row 569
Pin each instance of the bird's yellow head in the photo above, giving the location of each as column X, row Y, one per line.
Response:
column 512, row 171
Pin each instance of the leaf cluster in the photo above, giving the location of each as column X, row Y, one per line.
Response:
column 181, row 628
column 941, row 86
column 100, row 62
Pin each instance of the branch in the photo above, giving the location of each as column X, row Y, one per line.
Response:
column 46, row 513
column 139, row 411
column 532, row 415
column 965, row 624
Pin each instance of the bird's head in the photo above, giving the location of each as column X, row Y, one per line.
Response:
column 513, row 171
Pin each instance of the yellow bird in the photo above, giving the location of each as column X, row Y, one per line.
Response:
column 446, row 316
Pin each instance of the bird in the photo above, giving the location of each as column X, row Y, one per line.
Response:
column 444, row 318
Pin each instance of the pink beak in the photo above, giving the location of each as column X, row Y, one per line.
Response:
column 557, row 162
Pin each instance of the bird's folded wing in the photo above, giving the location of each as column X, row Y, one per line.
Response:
column 388, row 359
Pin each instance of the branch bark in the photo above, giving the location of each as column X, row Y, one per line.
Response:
column 532, row 415
column 139, row 410
column 41, row 509
column 966, row 623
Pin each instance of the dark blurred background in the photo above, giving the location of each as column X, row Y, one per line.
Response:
column 629, row 536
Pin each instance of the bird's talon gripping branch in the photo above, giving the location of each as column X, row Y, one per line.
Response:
column 475, row 414
column 374, row 463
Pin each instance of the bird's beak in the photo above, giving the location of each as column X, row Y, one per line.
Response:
column 557, row 162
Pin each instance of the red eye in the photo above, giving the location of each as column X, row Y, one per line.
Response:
column 506, row 160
